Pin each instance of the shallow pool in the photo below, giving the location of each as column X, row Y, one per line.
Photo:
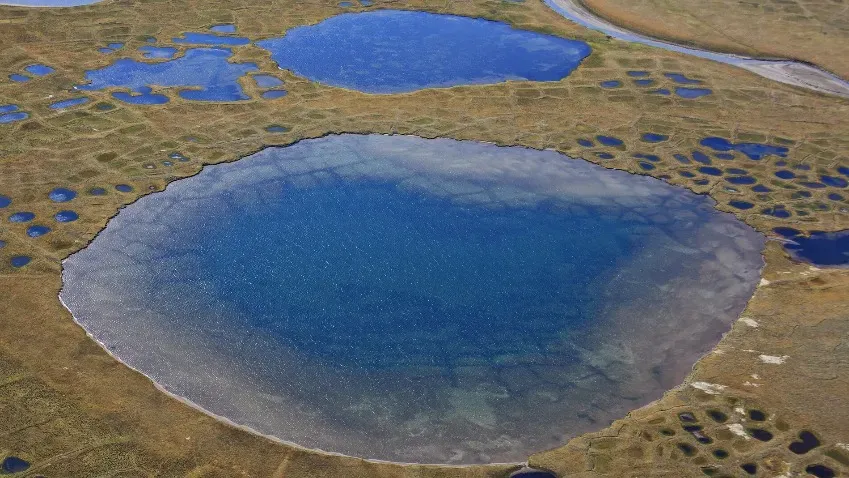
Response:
column 415, row 300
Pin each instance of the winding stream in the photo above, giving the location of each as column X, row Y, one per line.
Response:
column 785, row 71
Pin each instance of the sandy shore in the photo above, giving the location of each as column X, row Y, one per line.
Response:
column 785, row 71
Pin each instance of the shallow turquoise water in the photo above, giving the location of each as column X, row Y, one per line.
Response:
column 415, row 300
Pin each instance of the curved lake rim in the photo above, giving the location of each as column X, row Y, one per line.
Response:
column 398, row 51
column 429, row 169
column 791, row 72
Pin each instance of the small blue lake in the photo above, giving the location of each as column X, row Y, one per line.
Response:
column 205, row 74
column 391, row 51
column 819, row 248
column 415, row 300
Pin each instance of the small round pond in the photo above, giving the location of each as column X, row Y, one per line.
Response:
column 415, row 300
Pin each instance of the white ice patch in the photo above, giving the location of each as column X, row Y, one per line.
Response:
column 710, row 388
column 763, row 282
column 775, row 360
column 738, row 430
column 749, row 322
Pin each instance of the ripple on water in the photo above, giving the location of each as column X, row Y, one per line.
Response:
column 433, row 293
column 392, row 51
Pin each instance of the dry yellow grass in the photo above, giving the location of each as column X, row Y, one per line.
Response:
column 807, row 30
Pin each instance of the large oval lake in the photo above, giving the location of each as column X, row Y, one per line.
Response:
column 415, row 300
column 394, row 51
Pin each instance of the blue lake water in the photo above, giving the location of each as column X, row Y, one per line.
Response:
column 692, row 93
column 682, row 79
column 267, row 81
column 62, row 195
column 13, row 117
column 754, row 151
column 59, row 105
column 818, row 248
column 13, row 464
column 141, row 97
column 206, row 69
column 194, row 38
column 415, row 300
column 654, row 137
column 23, row 216
column 273, row 94
column 66, row 216
column 20, row 261
column 158, row 52
column 397, row 51
column 223, row 28
column 37, row 231
column 38, row 69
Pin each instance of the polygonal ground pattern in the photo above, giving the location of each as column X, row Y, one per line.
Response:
column 71, row 410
